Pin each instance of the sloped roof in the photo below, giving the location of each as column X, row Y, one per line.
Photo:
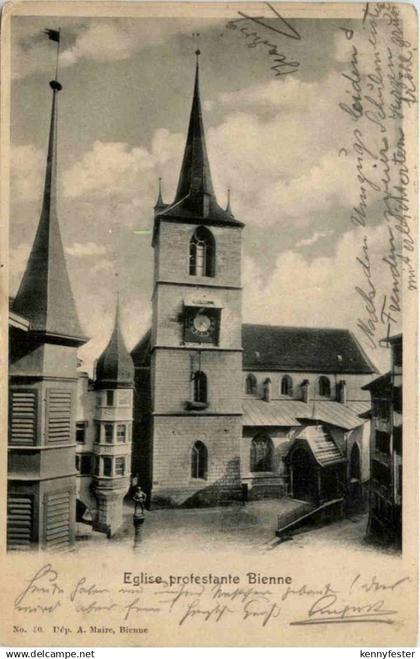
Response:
column 381, row 384
column 115, row 368
column 321, row 444
column 270, row 348
column 45, row 297
column 291, row 413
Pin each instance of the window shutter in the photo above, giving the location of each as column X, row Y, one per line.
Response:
column 59, row 404
column 23, row 417
column 19, row 521
column 57, row 521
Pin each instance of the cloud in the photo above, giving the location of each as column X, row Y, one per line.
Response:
column 317, row 235
column 86, row 249
column 300, row 291
column 18, row 257
column 27, row 165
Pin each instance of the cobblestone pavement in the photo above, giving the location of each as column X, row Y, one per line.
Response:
column 250, row 527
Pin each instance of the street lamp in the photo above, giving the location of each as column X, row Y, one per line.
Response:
column 139, row 499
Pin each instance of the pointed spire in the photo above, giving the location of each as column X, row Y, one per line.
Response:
column 228, row 208
column 45, row 297
column 115, row 367
column 195, row 178
column 159, row 202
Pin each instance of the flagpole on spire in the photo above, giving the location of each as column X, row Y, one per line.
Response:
column 54, row 35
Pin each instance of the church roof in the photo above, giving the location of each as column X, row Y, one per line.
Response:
column 290, row 413
column 45, row 297
column 276, row 348
column 115, row 368
column 195, row 199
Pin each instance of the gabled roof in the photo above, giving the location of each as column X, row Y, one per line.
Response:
column 271, row 348
column 45, row 297
column 195, row 199
column 115, row 368
column 320, row 443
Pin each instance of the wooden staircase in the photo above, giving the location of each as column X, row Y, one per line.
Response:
column 306, row 512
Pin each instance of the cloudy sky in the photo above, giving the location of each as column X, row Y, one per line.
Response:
column 123, row 117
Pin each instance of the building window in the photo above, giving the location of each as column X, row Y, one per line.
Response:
column 324, row 386
column 397, row 402
column 202, row 253
column 81, row 432
column 121, row 432
column 286, row 385
column 381, row 408
column 97, row 433
column 109, row 432
column 96, row 465
column 397, row 432
column 107, row 466
column 355, row 470
column 382, row 441
column 109, row 398
column 200, row 387
column 251, row 384
column 124, row 398
column 119, row 466
column 261, row 453
column 199, row 461
column 84, row 464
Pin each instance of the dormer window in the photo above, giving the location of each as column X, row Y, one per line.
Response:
column 202, row 253
column 251, row 384
column 286, row 387
column 324, row 386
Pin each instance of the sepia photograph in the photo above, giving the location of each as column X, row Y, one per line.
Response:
column 210, row 260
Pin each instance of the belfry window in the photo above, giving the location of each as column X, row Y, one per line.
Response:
column 202, row 253
column 251, row 384
column 261, row 453
column 286, row 388
column 199, row 461
column 200, row 387
column 324, row 386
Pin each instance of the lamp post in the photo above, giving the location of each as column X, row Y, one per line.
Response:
column 139, row 499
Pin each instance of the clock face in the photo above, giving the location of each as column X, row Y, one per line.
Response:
column 202, row 325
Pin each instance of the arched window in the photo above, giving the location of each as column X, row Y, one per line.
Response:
column 251, row 384
column 286, row 386
column 324, row 386
column 202, row 253
column 261, row 453
column 200, row 387
column 199, row 461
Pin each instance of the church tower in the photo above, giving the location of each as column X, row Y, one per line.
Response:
column 113, row 420
column 44, row 337
column 196, row 352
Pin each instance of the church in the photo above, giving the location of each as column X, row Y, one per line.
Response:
column 207, row 410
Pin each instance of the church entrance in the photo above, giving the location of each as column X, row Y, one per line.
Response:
column 304, row 476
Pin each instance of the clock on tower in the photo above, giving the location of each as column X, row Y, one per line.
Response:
column 201, row 325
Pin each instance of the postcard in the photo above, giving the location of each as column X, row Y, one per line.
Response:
column 209, row 324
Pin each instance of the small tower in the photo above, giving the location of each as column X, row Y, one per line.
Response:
column 43, row 377
column 113, row 419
